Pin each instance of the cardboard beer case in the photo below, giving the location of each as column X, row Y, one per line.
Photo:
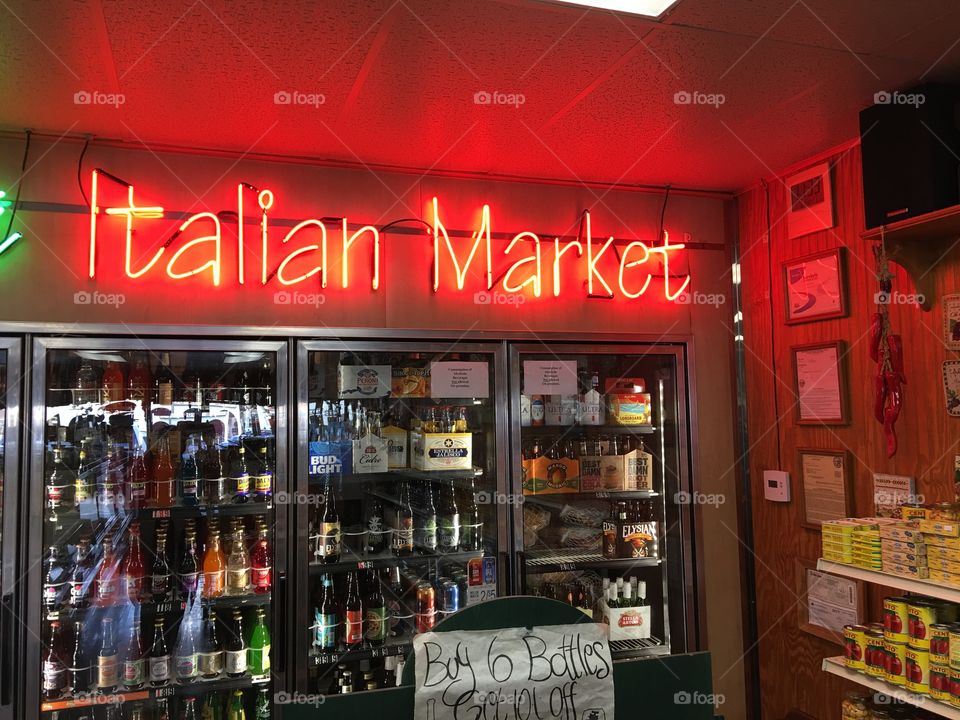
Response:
column 628, row 402
column 546, row 476
column 628, row 623
column 370, row 454
column 629, row 540
column 410, row 382
column 363, row 381
column 630, row 471
column 330, row 458
column 441, row 451
column 396, row 438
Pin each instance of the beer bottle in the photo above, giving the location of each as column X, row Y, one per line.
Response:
column 235, row 710
column 262, row 571
column 395, row 604
column 54, row 579
column 160, row 584
column 212, row 707
column 329, row 529
column 236, row 656
column 376, row 532
column 59, row 481
column 258, row 654
column 471, row 527
column 134, row 670
column 139, row 381
column 107, row 589
column 163, row 709
column 189, row 710
column 325, row 618
column 163, row 475
column 54, row 671
column 189, row 475
column 134, row 569
column 164, row 382
column 241, row 476
column 113, row 383
column 214, row 567
column 158, row 663
column 353, row 612
column 403, row 533
column 449, row 528
column 214, row 480
column 428, row 533
column 107, row 666
column 211, row 651
column 238, row 567
column 189, row 568
column 460, row 424
column 376, row 612
column 83, row 489
column 79, row 674
column 263, row 481
column 137, row 477
column 262, row 708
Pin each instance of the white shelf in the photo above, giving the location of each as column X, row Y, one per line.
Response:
column 919, row 587
column 835, row 666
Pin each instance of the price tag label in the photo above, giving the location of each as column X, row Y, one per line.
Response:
column 480, row 593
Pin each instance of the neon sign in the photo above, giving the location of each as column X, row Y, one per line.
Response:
column 518, row 268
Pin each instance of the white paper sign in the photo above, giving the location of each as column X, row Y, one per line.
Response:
column 459, row 380
column 557, row 672
column 549, row 377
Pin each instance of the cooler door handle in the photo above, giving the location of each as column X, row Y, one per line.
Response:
column 506, row 571
column 280, row 608
column 522, row 567
column 6, row 649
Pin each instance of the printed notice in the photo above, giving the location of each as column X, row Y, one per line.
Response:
column 557, row 672
column 549, row 377
column 818, row 383
column 832, row 601
column 459, row 380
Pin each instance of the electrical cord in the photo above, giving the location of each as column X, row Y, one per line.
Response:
column 23, row 169
column 663, row 212
column 86, row 144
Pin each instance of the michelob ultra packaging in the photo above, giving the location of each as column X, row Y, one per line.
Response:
column 441, row 451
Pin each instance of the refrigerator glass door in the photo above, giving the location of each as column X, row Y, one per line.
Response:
column 155, row 467
column 599, row 457
column 399, row 518
column 10, row 409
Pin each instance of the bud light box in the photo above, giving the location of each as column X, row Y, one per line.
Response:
column 441, row 451
column 629, row 623
column 370, row 454
column 363, row 381
column 328, row 458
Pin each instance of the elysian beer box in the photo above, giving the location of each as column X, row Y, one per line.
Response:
column 630, row 471
column 329, row 458
column 629, row 623
column 628, row 403
column 544, row 476
column 363, row 380
column 370, row 454
column 441, row 451
column 396, row 438
column 629, row 540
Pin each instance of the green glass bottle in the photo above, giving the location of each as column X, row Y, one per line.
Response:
column 258, row 652
column 236, row 711
column 262, row 709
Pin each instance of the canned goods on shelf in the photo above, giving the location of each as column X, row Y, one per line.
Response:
column 917, row 670
column 875, row 656
column 895, row 618
column 921, row 614
column 940, row 682
column 896, row 657
column 940, row 644
column 855, row 646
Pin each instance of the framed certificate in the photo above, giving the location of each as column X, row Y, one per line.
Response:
column 827, row 602
column 825, row 489
column 813, row 287
column 820, row 384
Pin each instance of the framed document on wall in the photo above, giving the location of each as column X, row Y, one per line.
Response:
column 827, row 602
column 813, row 287
column 819, row 383
column 825, row 489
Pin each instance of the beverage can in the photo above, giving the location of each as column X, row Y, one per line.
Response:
column 895, row 618
column 451, row 597
column 917, row 669
column 426, row 607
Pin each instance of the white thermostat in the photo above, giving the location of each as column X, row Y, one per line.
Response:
column 776, row 485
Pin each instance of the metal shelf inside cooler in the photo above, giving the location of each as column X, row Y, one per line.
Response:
column 575, row 560
column 621, row 649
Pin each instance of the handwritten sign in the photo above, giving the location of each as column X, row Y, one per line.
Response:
column 549, row 377
column 557, row 672
column 459, row 380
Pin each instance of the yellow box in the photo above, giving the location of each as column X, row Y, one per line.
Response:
column 947, row 528
column 441, row 451
column 895, row 558
column 904, row 547
column 943, row 554
column 941, row 541
column 947, row 578
column 904, row 532
column 906, row 570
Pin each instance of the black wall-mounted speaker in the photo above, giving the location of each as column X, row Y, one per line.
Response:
column 910, row 153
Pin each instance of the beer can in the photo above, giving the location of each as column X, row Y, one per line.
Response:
column 855, row 646
column 475, row 571
column 895, row 618
column 451, row 597
column 426, row 607
column 876, row 654
column 940, row 683
column 940, row 644
column 955, row 687
column 917, row 669
column 921, row 614
column 489, row 570
column 896, row 661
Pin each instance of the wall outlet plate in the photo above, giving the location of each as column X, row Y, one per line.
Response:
column 776, row 485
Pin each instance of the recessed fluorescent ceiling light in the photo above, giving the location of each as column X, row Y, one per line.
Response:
column 650, row 8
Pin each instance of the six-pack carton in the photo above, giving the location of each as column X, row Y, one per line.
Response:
column 441, row 451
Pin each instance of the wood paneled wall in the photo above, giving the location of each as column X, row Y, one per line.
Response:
column 790, row 674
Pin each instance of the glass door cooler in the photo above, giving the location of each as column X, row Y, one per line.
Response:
column 154, row 583
column 399, row 510
column 600, row 458
column 10, row 411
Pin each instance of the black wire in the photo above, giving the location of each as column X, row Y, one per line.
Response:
column 86, row 144
column 23, row 169
column 663, row 212
column 773, row 326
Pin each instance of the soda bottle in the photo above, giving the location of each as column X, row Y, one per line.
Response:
column 187, row 658
column 134, row 661
column 211, row 651
column 236, row 657
column 214, row 480
column 59, row 481
column 189, row 475
column 54, row 579
column 158, row 663
column 134, row 568
column 235, row 710
column 238, row 567
column 263, row 480
column 189, row 569
column 214, row 567
column 258, row 654
column 241, row 476
column 160, row 578
column 54, row 670
column 262, row 708
column 262, row 571
column 107, row 665
column 163, row 475
column 107, row 582
column 137, row 480
column 353, row 612
column 79, row 674
column 376, row 612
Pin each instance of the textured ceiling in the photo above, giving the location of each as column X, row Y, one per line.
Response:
column 394, row 82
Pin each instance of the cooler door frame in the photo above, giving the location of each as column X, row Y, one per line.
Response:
column 500, row 398
column 683, row 541
column 10, row 630
column 33, row 501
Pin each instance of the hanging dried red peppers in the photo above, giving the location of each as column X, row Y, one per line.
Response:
column 886, row 350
